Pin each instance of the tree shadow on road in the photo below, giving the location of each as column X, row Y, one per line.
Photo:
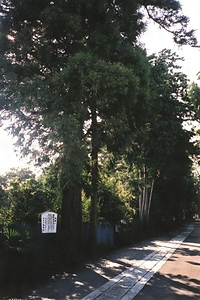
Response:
column 170, row 287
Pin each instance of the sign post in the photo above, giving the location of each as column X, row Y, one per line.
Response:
column 49, row 222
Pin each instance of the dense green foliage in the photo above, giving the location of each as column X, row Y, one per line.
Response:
column 24, row 197
column 81, row 95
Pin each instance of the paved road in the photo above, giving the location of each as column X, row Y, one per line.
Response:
column 125, row 272
column 179, row 278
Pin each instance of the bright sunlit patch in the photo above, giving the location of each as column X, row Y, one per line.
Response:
column 8, row 157
column 193, row 245
column 79, row 283
column 156, row 39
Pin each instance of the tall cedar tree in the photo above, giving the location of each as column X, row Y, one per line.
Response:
column 61, row 62
column 166, row 144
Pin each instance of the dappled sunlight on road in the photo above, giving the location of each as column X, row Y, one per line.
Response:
column 146, row 271
column 179, row 278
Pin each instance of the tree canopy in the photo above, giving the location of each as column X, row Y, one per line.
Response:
column 74, row 79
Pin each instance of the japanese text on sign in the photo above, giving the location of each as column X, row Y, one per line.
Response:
column 49, row 222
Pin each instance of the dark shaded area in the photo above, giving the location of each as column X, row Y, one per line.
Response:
column 24, row 261
column 37, row 270
column 169, row 287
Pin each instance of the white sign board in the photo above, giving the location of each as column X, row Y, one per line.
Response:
column 49, row 222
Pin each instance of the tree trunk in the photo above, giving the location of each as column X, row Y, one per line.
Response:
column 70, row 232
column 145, row 198
column 92, row 243
column 142, row 197
column 150, row 199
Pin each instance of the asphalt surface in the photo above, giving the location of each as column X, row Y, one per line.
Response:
column 164, row 268
column 179, row 278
